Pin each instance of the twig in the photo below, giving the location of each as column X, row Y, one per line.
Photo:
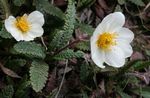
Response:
column 62, row 80
column 43, row 43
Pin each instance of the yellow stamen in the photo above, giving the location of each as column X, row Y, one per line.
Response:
column 106, row 40
column 22, row 24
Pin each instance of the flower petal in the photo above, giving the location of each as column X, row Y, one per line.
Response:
column 36, row 30
column 113, row 22
column 96, row 54
column 10, row 27
column 36, row 17
column 125, row 34
column 115, row 57
column 126, row 48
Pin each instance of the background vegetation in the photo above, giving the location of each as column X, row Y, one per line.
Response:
column 58, row 65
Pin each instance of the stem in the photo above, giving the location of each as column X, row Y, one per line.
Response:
column 70, row 44
column 43, row 43
column 62, row 79
column 6, row 7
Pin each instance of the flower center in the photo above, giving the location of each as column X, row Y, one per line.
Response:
column 22, row 24
column 106, row 40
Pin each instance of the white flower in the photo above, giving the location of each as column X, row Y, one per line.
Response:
column 26, row 27
column 110, row 42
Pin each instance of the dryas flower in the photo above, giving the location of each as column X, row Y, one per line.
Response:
column 110, row 42
column 26, row 27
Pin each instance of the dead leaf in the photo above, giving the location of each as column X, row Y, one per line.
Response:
column 60, row 2
column 103, row 4
column 137, row 56
column 51, row 84
column 9, row 72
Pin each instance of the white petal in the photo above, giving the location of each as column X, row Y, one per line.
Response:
column 36, row 30
column 113, row 22
column 96, row 54
column 115, row 57
column 126, row 48
column 10, row 27
column 125, row 34
column 36, row 17
column 27, row 37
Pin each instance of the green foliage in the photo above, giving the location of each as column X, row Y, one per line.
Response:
column 44, row 5
column 68, row 54
column 29, row 49
column 118, row 8
column 22, row 91
column 62, row 37
column 84, row 72
column 121, row 2
column 85, row 28
column 137, row 2
column 4, row 33
column 38, row 75
column 141, row 64
column 85, row 46
column 7, row 92
column 123, row 95
column 19, row 2
column 142, row 92
column 85, row 3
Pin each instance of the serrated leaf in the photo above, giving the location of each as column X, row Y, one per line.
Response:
column 137, row 2
column 62, row 37
column 19, row 2
column 38, row 75
column 4, row 33
column 7, row 92
column 44, row 5
column 84, row 4
column 85, row 28
column 68, row 54
column 29, row 49
column 85, row 46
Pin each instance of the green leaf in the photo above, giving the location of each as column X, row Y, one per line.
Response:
column 84, row 95
column 84, row 72
column 19, row 2
column 38, row 75
column 62, row 37
column 4, row 33
column 23, row 90
column 118, row 8
column 141, row 65
column 84, row 4
column 137, row 2
column 145, row 91
column 44, row 5
column 85, row 28
column 68, row 54
column 121, row 2
column 123, row 95
column 29, row 49
column 7, row 92
column 85, row 46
